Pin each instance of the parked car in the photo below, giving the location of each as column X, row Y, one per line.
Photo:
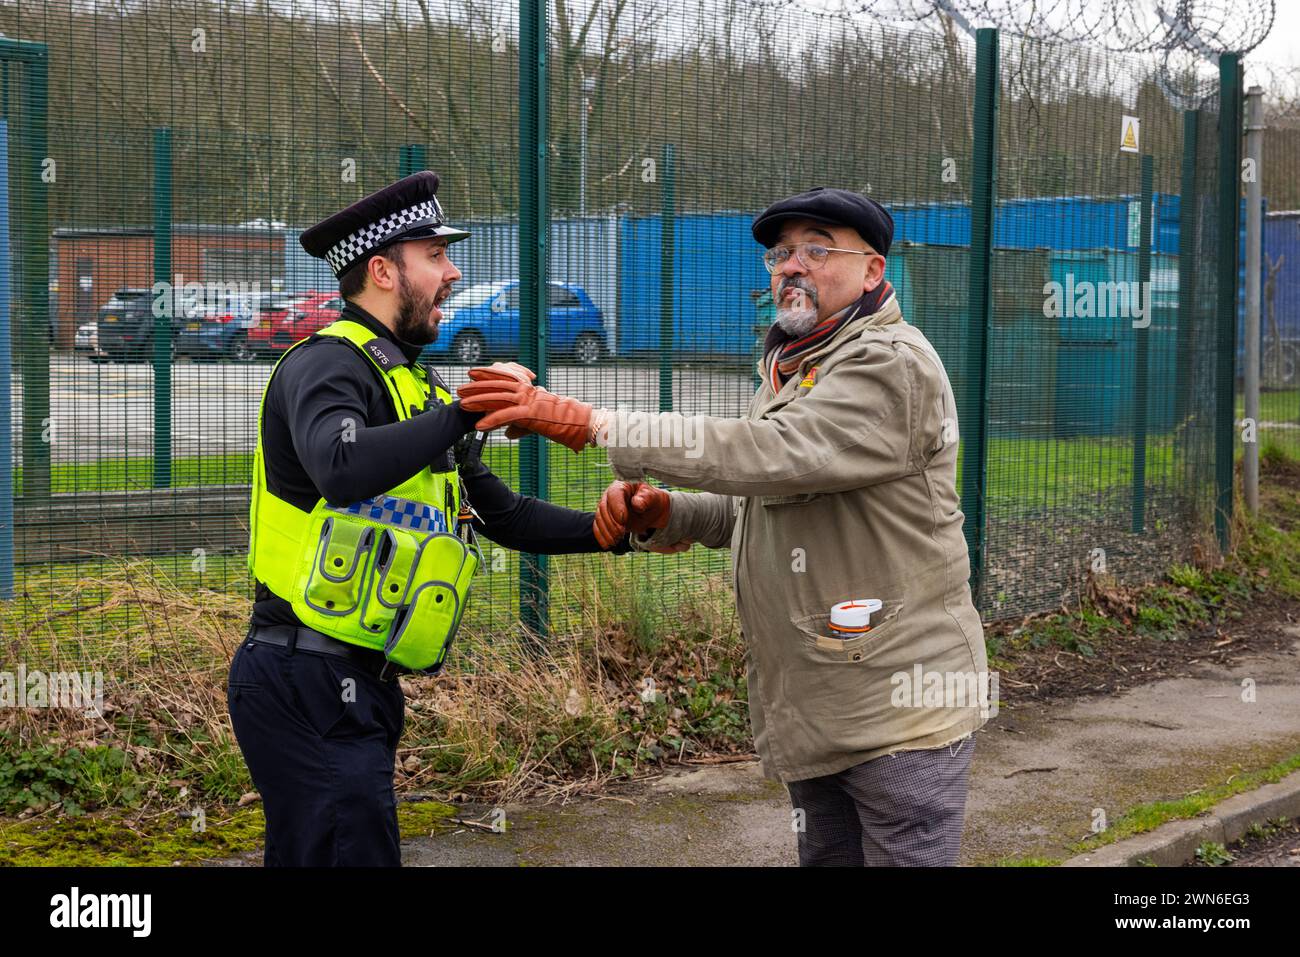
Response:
column 223, row 330
column 125, row 326
column 282, row 324
column 86, row 341
column 483, row 321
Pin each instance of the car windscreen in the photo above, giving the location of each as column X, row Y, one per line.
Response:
column 474, row 296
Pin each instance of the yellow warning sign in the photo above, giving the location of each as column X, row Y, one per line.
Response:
column 1128, row 142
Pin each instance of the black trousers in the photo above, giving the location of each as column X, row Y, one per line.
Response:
column 319, row 735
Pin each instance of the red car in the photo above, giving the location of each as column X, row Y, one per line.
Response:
column 278, row 329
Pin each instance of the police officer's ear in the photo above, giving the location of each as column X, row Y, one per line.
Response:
column 382, row 267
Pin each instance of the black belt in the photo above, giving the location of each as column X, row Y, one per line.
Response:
column 297, row 638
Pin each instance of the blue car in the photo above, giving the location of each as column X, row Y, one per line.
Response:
column 482, row 321
column 219, row 330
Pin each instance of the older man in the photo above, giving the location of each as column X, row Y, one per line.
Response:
column 839, row 484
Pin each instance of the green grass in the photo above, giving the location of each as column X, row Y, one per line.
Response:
column 1147, row 817
column 1022, row 472
column 125, row 474
column 1281, row 406
column 1267, row 559
column 499, row 715
column 172, row 836
column 1035, row 473
column 113, row 840
column 66, row 603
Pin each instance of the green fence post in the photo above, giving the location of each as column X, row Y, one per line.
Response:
column 1187, row 264
column 31, row 315
column 411, row 158
column 533, row 226
column 667, row 251
column 1140, row 358
column 1230, row 124
column 6, row 377
column 974, row 403
column 162, row 324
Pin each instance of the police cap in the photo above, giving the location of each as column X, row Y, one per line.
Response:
column 401, row 211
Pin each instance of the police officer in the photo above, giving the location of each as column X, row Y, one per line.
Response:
column 364, row 511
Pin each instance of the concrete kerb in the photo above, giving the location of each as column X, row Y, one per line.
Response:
column 1175, row 843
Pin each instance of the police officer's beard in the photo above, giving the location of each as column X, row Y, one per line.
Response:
column 413, row 314
column 800, row 315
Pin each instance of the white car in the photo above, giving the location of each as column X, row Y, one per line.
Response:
column 87, row 340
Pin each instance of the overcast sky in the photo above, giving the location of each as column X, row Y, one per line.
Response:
column 1283, row 43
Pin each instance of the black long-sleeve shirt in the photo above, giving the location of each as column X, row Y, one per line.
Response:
column 325, row 389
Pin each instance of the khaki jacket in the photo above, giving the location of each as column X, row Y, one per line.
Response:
column 842, row 485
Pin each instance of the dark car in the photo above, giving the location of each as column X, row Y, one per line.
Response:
column 125, row 325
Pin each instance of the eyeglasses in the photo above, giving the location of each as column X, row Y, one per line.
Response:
column 811, row 255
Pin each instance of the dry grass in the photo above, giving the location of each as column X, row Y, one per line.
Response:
column 503, row 721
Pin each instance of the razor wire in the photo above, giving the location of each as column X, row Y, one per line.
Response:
column 1205, row 27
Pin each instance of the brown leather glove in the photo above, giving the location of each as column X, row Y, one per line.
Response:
column 523, row 406
column 630, row 506
column 509, row 371
column 503, row 370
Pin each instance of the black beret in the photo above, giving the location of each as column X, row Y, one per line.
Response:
column 407, row 209
column 826, row 204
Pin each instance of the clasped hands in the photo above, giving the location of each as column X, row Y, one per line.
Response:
column 634, row 507
column 504, row 390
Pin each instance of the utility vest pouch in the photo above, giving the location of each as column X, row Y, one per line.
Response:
column 425, row 625
column 337, row 576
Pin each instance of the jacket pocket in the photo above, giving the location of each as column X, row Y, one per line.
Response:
column 801, row 498
column 820, row 644
column 423, row 628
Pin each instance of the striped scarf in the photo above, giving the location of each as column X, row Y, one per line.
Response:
column 792, row 350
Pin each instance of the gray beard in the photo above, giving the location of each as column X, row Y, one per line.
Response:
column 796, row 323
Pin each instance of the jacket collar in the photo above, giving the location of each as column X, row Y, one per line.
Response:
column 410, row 352
column 888, row 314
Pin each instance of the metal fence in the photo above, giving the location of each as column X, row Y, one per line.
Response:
column 1279, row 276
column 190, row 143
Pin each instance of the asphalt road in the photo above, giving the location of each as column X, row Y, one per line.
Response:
column 107, row 410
